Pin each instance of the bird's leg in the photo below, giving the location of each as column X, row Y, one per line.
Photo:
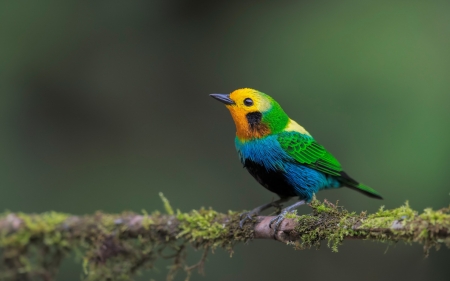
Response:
column 278, row 219
column 248, row 215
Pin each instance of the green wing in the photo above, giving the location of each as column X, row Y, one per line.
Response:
column 307, row 151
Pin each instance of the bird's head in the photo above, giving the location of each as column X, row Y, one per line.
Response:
column 255, row 114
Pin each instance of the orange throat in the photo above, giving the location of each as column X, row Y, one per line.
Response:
column 244, row 131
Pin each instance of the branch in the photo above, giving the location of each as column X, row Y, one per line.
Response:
column 111, row 245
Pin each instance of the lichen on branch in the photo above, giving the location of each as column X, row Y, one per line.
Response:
column 119, row 246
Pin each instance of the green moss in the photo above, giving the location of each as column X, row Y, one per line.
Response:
column 291, row 215
column 331, row 223
column 200, row 225
column 167, row 206
column 37, row 245
column 440, row 217
column 204, row 228
column 320, row 208
column 146, row 221
column 385, row 218
column 427, row 228
column 104, row 244
column 328, row 222
column 44, row 224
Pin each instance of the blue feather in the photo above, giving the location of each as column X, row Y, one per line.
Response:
column 267, row 152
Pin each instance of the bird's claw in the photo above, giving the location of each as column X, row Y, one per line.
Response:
column 277, row 220
column 247, row 216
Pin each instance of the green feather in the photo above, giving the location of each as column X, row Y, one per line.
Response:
column 366, row 190
column 276, row 119
column 307, row 151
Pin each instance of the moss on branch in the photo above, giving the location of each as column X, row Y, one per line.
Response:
column 118, row 246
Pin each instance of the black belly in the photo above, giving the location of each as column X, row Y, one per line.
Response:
column 274, row 181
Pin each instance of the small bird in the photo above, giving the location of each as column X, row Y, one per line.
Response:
column 281, row 155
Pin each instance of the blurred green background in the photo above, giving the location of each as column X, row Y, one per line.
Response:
column 104, row 104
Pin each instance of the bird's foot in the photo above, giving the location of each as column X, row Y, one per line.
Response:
column 277, row 221
column 247, row 216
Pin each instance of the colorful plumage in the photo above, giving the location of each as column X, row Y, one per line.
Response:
column 280, row 154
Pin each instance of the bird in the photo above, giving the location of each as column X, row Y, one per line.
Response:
column 281, row 154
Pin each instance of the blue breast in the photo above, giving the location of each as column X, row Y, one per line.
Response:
column 267, row 152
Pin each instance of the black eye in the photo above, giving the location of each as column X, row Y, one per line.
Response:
column 248, row 102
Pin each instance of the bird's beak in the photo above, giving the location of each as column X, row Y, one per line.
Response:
column 223, row 98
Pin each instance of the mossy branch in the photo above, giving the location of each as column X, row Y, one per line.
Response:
column 118, row 246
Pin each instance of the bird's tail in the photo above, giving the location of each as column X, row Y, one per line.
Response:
column 367, row 190
column 351, row 183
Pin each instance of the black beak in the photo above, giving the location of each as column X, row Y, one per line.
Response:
column 223, row 98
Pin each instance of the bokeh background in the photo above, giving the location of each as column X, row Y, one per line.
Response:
column 103, row 104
